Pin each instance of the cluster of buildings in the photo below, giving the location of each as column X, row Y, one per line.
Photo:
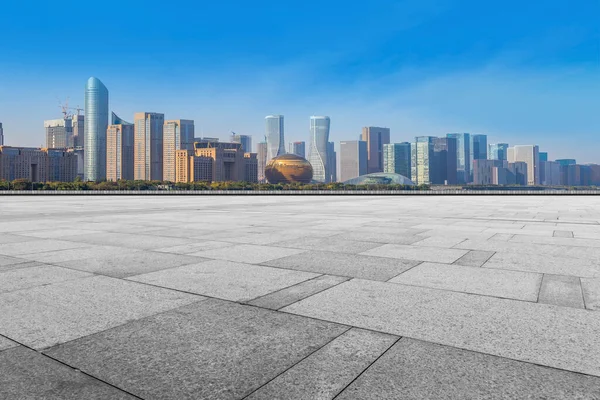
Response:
column 99, row 146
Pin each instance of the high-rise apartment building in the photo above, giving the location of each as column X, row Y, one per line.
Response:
column 528, row 154
column 119, row 149
column 375, row 137
column 396, row 159
column 317, row 148
column 78, row 126
column 331, row 162
column 497, row 151
column 37, row 165
column 178, row 134
column 261, row 155
column 244, row 140
column 95, row 126
column 422, row 160
column 463, row 156
column 148, row 159
column 58, row 133
column 1, row 135
column 444, row 165
column 298, row 148
column 353, row 159
column 274, row 136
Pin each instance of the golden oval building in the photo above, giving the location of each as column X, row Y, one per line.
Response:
column 288, row 168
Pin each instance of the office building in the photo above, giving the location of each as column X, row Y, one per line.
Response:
column 191, row 168
column 298, row 148
column 58, row 133
column 148, row 159
column 119, row 149
column 396, row 159
column 530, row 155
column 229, row 161
column 566, row 161
column 497, row 151
column 274, row 136
column 543, row 156
column 479, row 147
column 422, row 159
column 251, row 167
column 331, row 162
column 375, row 137
column 244, row 140
column 178, row 134
column 37, row 165
column 95, row 126
column 353, row 159
column 78, row 126
column 485, row 172
column 549, row 173
column 444, row 165
column 261, row 155
column 1, row 135
column 463, row 156
column 317, row 148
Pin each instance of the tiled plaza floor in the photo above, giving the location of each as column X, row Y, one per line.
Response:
column 417, row 297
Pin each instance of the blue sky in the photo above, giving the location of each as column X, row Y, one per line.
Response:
column 522, row 72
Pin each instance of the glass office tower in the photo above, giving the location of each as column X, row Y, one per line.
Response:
column 463, row 156
column 396, row 159
column 274, row 136
column 497, row 151
column 317, row 150
column 95, row 125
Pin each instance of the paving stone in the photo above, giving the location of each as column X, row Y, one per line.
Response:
column 419, row 253
column 6, row 238
column 474, row 258
column 561, row 291
column 566, row 234
column 350, row 265
column 194, row 247
column 124, row 265
column 131, row 240
column 591, row 293
column 7, row 262
column 412, row 369
column 544, row 264
column 6, row 343
column 92, row 251
column 330, row 369
column 559, row 337
column 248, row 253
column 292, row 294
column 440, row 241
column 25, row 374
column 328, row 244
column 36, row 247
column 379, row 237
column 547, row 250
column 562, row 241
column 488, row 282
column 56, row 233
column 225, row 279
column 23, row 278
column 209, row 350
column 502, row 237
column 47, row 315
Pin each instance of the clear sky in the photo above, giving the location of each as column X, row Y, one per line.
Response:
column 523, row 72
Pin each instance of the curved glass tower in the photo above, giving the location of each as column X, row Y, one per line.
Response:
column 95, row 125
column 317, row 151
column 274, row 136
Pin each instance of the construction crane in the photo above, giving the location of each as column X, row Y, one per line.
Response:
column 65, row 109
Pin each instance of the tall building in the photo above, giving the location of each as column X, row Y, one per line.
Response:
column 245, row 140
column 317, row 148
column 444, row 165
column 58, row 133
column 543, row 156
column 78, row 125
column 191, row 168
column 274, row 136
column 331, row 162
column 37, row 165
column 396, row 159
column 479, row 147
column 549, row 173
column 530, row 155
column 261, row 155
column 119, row 149
column 566, row 161
column 229, row 162
column 148, row 159
column 1, row 135
column 178, row 134
column 95, row 126
column 485, row 172
column 353, row 159
column 298, row 148
column 250, row 167
column 463, row 156
column 375, row 137
column 497, row 151
column 422, row 160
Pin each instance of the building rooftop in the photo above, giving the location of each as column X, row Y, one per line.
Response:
column 359, row 297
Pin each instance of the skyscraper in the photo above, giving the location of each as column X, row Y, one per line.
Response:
column 245, row 140
column 463, row 156
column 317, row 150
column 1, row 135
column 178, row 134
column 331, row 162
column 528, row 154
column 78, row 125
column 566, row 161
column 119, row 149
column 95, row 125
column 422, row 159
column 543, row 156
column 353, row 159
column 274, row 136
column 261, row 154
column 375, row 137
column 497, row 151
column 396, row 159
column 298, row 148
column 478, row 147
column 58, row 132
column 148, row 160
column 444, row 165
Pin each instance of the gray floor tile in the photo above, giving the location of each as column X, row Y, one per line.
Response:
column 561, row 291
column 412, row 369
column 558, row 337
column 92, row 251
column 194, row 247
column 247, row 253
column 23, row 278
column 474, row 258
column 328, row 244
column 37, row 247
column 565, row 234
column 56, row 233
column 440, row 241
column 591, row 293
column 210, row 350
column 380, row 237
column 25, row 374
column 6, row 343
column 6, row 238
column 130, row 240
column 330, row 369
column 419, row 253
column 544, row 264
column 350, row 265
column 47, row 315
